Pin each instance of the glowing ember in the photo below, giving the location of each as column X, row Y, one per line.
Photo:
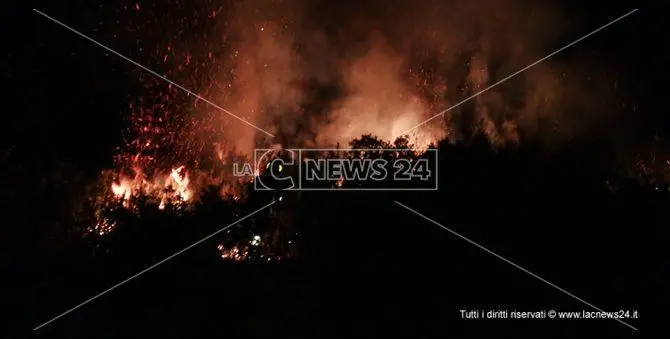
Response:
column 234, row 253
column 103, row 227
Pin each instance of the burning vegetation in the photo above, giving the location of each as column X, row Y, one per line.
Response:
column 318, row 74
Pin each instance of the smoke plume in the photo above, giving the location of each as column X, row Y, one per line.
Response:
column 322, row 73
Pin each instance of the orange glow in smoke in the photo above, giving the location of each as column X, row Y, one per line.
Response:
column 405, row 65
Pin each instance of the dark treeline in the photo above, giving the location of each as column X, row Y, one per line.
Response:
column 355, row 253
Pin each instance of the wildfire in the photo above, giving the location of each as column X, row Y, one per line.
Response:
column 388, row 82
column 253, row 250
column 234, row 253
column 172, row 188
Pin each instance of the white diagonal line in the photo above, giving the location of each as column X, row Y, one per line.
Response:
column 511, row 263
column 516, row 73
column 150, row 267
column 155, row 74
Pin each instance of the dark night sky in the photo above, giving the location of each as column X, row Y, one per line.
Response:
column 64, row 96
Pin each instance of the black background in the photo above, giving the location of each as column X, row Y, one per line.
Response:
column 373, row 268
